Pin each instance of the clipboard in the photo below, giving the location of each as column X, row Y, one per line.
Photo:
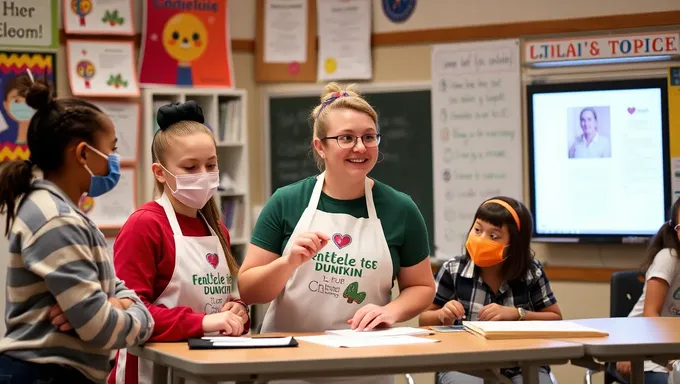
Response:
column 242, row 342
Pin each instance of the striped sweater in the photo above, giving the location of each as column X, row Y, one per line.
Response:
column 57, row 255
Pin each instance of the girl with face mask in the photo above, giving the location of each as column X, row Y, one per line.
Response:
column 57, row 255
column 174, row 251
column 496, row 279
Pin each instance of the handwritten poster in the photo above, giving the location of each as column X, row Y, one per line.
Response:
column 477, row 138
column 186, row 43
column 101, row 17
column 126, row 117
column 112, row 209
column 15, row 114
column 344, row 40
column 29, row 23
column 102, row 68
column 285, row 31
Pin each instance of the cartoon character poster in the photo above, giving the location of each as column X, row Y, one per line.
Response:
column 15, row 114
column 186, row 43
column 110, row 17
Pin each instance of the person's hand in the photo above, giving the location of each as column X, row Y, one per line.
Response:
column 371, row 316
column 236, row 308
column 623, row 367
column 495, row 312
column 58, row 319
column 450, row 312
column 305, row 246
column 227, row 323
column 122, row 304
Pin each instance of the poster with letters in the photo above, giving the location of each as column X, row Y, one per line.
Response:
column 29, row 23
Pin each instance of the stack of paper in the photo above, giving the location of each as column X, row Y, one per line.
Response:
column 348, row 338
column 530, row 329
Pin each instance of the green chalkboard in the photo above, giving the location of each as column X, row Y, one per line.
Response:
column 405, row 120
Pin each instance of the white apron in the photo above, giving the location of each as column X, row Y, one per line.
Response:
column 201, row 281
column 354, row 269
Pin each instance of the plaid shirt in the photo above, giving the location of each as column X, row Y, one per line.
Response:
column 459, row 279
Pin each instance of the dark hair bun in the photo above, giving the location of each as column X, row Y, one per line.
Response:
column 39, row 95
column 174, row 113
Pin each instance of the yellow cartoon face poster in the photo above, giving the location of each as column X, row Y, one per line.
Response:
column 15, row 114
column 186, row 43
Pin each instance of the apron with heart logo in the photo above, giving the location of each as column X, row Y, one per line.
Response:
column 201, row 280
column 354, row 269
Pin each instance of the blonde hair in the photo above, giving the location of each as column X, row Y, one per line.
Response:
column 159, row 147
column 334, row 97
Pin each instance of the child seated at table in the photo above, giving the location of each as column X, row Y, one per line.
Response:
column 661, row 293
column 496, row 279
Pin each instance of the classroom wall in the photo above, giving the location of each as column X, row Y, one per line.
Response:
column 412, row 63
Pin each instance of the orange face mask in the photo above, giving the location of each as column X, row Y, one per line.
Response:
column 484, row 252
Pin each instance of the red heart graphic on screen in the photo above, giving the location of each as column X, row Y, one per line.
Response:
column 342, row 240
column 631, row 110
column 212, row 259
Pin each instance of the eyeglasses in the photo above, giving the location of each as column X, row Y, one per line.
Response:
column 349, row 141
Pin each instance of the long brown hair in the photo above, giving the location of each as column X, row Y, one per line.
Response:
column 210, row 211
column 666, row 237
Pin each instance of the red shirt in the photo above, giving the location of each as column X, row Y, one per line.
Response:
column 144, row 257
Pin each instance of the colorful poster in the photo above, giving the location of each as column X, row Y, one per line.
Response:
column 102, row 68
column 100, row 17
column 29, row 23
column 186, row 43
column 15, row 115
column 126, row 117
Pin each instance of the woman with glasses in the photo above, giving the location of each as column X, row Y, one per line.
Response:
column 327, row 248
column 661, row 293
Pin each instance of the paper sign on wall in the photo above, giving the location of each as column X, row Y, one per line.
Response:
column 29, row 23
column 102, row 68
column 109, row 17
column 126, row 117
column 602, row 47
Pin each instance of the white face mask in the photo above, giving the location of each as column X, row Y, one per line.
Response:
column 194, row 189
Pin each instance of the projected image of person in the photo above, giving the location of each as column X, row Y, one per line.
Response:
column 592, row 142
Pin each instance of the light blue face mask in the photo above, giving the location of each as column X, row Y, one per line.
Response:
column 21, row 111
column 99, row 185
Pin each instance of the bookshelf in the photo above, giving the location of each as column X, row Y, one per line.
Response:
column 225, row 114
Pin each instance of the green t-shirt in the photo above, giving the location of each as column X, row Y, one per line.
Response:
column 402, row 222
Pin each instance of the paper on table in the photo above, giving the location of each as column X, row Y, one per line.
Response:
column 224, row 341
column 383, row 332
column 353, row 342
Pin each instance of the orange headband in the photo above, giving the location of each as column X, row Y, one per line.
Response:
column 506, row 206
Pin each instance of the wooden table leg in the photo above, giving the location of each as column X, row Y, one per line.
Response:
column 530, row 374
column 637, row 372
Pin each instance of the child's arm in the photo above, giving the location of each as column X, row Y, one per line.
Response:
column 659, row 275
column 542, row 298
column 657, row 289
column 443, row 310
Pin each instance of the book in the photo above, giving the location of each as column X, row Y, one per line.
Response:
column 531, row 329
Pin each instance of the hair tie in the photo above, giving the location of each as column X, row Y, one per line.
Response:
column 330, row 99
column 30, row 75
column 506, row 206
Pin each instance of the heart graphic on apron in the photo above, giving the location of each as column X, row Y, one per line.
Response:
column 212, row 259
column 341, row 240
